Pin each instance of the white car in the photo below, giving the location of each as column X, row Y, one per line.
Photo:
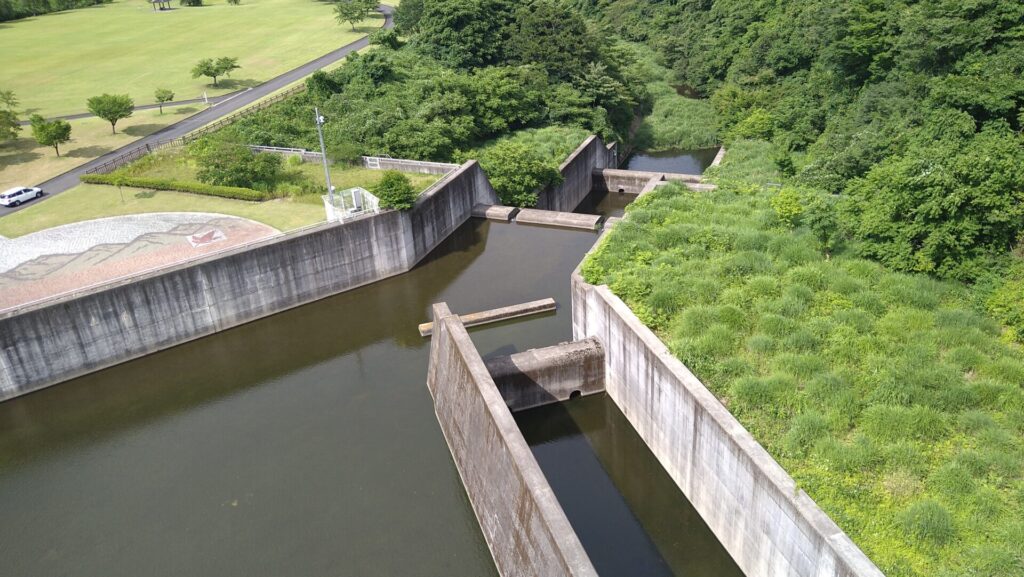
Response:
column 19, row 194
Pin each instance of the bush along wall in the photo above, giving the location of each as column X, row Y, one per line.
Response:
column 234, row 192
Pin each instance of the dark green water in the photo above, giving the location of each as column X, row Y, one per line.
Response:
column 301, row 444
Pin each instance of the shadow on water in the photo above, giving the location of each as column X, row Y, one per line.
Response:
column 629, row 514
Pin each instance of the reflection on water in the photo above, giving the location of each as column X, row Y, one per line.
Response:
column 677, row 161
column 304, row 443
column 629, row 514
column 605, row 203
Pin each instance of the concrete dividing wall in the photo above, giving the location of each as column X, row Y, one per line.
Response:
column 63, row 338
column 524, row 526
column 768, row 524
column 577, row 174
column 548, row 375
column 634, row 181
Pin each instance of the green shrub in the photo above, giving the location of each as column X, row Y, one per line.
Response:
column 928, row 520
column 518, row 173
column 237, row 193
column 395, row 191
column 227, row 164
column 1007, row 305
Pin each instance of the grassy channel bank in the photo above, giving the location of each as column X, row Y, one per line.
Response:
column 891, row 398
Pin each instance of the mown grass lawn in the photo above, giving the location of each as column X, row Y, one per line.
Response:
column 24, row 163
column 90, row 201
column 55, row 62
column 890, row 398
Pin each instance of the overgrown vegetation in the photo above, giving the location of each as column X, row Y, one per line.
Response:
column 890, row 397
column 471, row 72
column 912, row 108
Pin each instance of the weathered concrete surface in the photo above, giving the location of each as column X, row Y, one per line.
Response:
column 611, row 221
column 521, row 520
column 560, row 219
column 380, row 163
column 766, row 522
column 495, row 212
column 499, row 314
column 634, row 181
column 577, row 179
column 718, row 157
column 65, row 337
column 549, row 375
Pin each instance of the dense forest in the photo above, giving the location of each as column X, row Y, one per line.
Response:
column 14, row 9
column 911, row 109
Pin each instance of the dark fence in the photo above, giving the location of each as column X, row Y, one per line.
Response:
column 138, row 152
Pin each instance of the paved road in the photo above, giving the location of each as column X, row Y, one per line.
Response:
column 69, row 179
column 212, row 100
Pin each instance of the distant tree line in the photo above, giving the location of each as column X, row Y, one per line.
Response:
column 14, row 9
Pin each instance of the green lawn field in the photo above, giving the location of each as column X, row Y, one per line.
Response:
column 24, row 163
column 53, row 63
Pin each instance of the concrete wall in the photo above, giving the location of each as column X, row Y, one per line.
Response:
column 548, row 375
column 69, row 336
column 577, row 171
column 381, row 163
column 521, row 520
column 767, row 523
column 633, row 181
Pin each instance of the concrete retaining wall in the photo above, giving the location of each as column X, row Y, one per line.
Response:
column 767, row 523
column 382, row 163
column 63, row 338
column 577, row 171
column 548, row 375
column 521, row 520
column 634, row 181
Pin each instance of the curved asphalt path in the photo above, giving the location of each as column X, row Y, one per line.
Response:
column 69, row 179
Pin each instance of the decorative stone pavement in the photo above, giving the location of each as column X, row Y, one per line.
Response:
column 75, row 256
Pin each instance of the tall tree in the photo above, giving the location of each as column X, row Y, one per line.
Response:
column 226, row 64
column 163, row 95
column 111, row 107
column 351, row 11
column 50, row 132
column 215, row 68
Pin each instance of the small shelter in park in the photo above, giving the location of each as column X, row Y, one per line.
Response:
column 160, row 4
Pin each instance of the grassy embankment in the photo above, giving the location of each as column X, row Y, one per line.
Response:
column 890, row 398
column 89, row 201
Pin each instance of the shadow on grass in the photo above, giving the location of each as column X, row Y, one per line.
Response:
column 142, row 129
column 88, row 151
column 185, row 110
column 145, row 194
column 237, row 83
column 18, row 151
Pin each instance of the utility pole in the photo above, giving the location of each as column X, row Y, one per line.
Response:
column 323, row 156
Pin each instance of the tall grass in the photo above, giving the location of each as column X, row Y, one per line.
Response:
column 553, row 143
column 892, row 399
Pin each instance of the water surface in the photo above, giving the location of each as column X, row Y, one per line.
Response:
column 304, row 443
column 676, row 161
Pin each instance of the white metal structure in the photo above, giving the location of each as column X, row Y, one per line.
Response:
column 350, row 203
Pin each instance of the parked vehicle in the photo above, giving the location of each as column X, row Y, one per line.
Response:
column 19, row 194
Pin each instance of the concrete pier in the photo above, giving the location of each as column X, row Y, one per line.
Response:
column 558, row 219
column 499, row 314
column 548, row 375
column 495, row 212
column 520, row 517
